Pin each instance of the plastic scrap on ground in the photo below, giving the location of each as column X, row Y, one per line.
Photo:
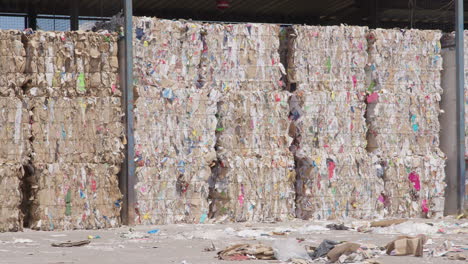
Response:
column 286, row 249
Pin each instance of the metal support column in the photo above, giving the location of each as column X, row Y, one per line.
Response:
column 127, row 179
column 32, row 17
column 459, row 26
column 74, row 12
column 374, row 13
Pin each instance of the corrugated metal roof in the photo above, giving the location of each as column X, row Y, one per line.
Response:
column 280, row 11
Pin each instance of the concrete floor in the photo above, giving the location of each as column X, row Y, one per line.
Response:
column 179, row 243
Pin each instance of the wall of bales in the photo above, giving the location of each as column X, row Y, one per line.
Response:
column 254, row 176
column 211, row 124
column 365, row 111
column 14, row 130
column 244, row 122
column 248, row 140
column 175, row 122
column 328, row 79
column 63, row 115
column 403, row 119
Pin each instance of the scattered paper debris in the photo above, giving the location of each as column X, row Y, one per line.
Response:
column 407, row 228
column 406, row 245
column 342, row 249
column 385, row 223
column 337, row 227
column 22, row 240
column 246, row 252
column 212, row 247
column 72, row 244
column 134, row 235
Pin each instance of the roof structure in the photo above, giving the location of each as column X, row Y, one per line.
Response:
column 396, row 13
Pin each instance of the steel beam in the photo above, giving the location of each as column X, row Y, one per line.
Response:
column 32, row 17
column 127, row 179
column 74, row 13
column 374, row 13
column 460, row 82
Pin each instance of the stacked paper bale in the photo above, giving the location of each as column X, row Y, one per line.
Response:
column 14, row 127
column 175, row 123
column 254, row 177
column 404, row 95
column 72, row 64
column 77, row 131
column 326, row 73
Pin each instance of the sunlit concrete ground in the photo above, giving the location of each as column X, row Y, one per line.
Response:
column 186, row 243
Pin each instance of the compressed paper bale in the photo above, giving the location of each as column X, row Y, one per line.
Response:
column 343, row 55
column 411, row 188
column 243, row 62
column 328, row 121
column 403, row 120
column 189, row 123
column 175, row 123
column 14, row 132
column 72, row 64
column 77, row 129
column 11, row 217
column 167, row 53
column 406, row 65
column 254, row 189
column 12, row 62
column 75, row 196
column 241, row 57
column 97, row 189
column 333, row 100
column 14, row 153
column 175, row 199
column 174, row 138
column 253, row 123
column 173, row 159
column 82, row 130
column 337, row 187
column 326, row 73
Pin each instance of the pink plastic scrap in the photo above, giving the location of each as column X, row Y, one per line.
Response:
column 414, row 178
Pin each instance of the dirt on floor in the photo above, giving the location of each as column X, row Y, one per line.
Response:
column 199, row 244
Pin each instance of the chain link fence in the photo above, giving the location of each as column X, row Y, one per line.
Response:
column 47, row 22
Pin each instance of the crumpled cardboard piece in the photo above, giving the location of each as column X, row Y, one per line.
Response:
column 342, row 249
column 385, row 223
column 456, row 256
column 407, row 245
column 246, row 252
